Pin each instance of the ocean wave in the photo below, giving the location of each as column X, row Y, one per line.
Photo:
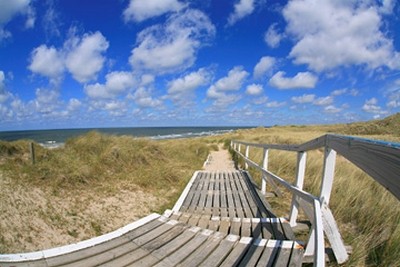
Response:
column 190, row 134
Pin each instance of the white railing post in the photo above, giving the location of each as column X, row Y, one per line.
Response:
column 265, row 166
column 246, row 166
column 301, row 169
column 328, row 174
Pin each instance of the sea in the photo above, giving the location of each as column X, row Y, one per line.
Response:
column 57, row 138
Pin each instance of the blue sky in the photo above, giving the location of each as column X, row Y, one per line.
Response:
column 132, row 63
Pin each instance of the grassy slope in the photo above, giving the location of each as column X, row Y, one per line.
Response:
column 93, row 185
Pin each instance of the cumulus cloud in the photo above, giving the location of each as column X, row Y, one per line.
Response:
column 301, row 80
column 330, row 34
column 117, row 82
column 85, row 57
column 332, row 109
column 272, row 37
column 254, row 89
column 143, row 98
column 182, row 88
column 371, row 106
column 264, row 66
column 323, row 101
column 242, row 9
column 230, row 83
column 165, row 48
column 3, row 93
column 47, row 61
column 10, row 9
column 139, row 10
column 47, row 101
column 306, row 98
column 275, row 104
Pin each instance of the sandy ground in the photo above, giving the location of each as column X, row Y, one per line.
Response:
column 219, row 161
column 32, row 219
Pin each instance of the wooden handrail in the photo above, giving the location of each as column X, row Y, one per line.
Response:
column 379, row 159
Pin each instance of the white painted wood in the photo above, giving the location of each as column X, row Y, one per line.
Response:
column 332, row 233
column 15, row 258
column 328, row 175
column 265, row 166
column 301, row 169
column 319, row 254
column 246, row 166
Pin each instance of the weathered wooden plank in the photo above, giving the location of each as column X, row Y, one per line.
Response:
column 246, row 199
column 220, row 252
column 184, row 251
column 253, row 254
column 238, row 252
column 246, row 227
column 287, row 229
column 179, row 241
column 165, row 237
column 269, row 254
column 381, row 160
column 187, row 195
column 126, row 259
column 213, row 224
column 194, row 219
column 283, row 257
column 204, row 221
column 156, row 232
column 236, row 224
column 103, row 257
column 224, row 225
column 201, row 253
column 33, row 263
column 256, row 228
column 297, row 255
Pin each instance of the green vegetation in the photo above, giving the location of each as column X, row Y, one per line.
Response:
column 93, row 167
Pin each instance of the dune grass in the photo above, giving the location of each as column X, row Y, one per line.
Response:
column 67, row 187
column 368, row 216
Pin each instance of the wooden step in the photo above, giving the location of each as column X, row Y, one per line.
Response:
column 160, row 241
column 275, row 228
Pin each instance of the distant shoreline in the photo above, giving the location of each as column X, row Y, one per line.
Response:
column 56, row 138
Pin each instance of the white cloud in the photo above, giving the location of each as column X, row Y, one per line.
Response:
column 173, row 45
column 47, row 101
column 188, row 83
column 301, row 80
column 323, row 101
column 371, row 106
column 339, row 92
column 4, row 95
column 265, row 65
column 254, row 89
column 242, row 8
column 47, row 61
column 275, row 104
column 272, row 37
column 117, row 82
column 332, row 109
column 233, row 82
column 139, row 10
column 9, row 9
column 303, row 99
column 73, row 104
column 330, row 34
column 143, row 98
column 85, row 58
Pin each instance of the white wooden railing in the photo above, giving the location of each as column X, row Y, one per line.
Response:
column 379, row 159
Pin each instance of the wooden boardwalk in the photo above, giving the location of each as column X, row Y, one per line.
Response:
column 219, row 220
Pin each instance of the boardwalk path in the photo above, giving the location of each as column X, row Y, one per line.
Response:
column 219, row 220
